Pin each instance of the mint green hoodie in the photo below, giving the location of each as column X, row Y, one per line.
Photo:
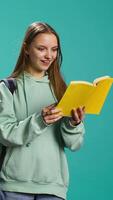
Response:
column 35, row 160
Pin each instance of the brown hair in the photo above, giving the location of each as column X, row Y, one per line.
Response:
column 55, row 77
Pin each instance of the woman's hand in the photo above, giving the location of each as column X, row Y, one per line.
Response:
column 51, row 114
column 77, row 115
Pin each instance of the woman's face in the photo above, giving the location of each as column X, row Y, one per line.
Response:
column 42, row 52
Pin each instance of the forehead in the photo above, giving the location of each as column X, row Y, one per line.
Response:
column 46, row 39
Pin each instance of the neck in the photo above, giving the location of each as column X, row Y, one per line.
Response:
column 35, row 73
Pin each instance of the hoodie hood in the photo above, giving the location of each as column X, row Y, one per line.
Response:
column 43, row 79
column 36, row 90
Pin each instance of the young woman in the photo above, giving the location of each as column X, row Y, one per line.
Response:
column 33, row 130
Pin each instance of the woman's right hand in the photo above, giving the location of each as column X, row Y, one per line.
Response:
column 51, row 114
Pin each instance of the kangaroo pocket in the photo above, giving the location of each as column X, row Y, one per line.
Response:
column 37, row 162
column 17, row 163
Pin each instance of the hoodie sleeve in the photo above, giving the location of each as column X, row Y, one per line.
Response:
column 72, row 135
column 12, row 131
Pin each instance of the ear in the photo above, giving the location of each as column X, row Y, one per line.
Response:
column 26, row 48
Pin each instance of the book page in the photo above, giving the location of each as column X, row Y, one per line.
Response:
column 82, row 82
column 97, row 80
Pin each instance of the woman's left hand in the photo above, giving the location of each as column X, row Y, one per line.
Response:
column 77, row 115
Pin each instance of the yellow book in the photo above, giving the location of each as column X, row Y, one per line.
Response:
column 83, row 93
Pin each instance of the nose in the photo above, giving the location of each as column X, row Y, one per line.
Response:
column 48, row 54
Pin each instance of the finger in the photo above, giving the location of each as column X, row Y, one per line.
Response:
column 83, row 108
column 46, row 109
column 54, row 111
column 75, row 115
column 51, row 109
column 52, row 105
column 80, row 113
column 50, row 121
column 53, row 116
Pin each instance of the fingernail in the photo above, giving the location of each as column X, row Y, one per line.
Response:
column 83, row 108
column 60, row 112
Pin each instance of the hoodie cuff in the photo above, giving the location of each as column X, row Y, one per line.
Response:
column 38, row 121
column 73, row 125
column 69, row 125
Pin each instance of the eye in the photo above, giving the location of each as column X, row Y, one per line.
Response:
column 40, row 48
column 56, row 49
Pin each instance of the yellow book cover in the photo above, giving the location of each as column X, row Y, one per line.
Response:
column 83, row 93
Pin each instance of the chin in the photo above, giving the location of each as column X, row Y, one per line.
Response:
column 44, row 67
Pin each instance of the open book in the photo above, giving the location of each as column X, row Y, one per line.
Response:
column 83, row 93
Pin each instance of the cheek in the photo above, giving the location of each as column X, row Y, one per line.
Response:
column 35, row 55
column 39, row 55
column 54, row 55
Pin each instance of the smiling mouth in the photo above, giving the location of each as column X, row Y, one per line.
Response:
column 45, row 61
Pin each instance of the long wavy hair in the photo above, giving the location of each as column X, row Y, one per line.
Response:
column 55, row 77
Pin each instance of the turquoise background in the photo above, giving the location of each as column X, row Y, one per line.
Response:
column 86, row 32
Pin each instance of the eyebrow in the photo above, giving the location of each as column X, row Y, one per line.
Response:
column 45, row 46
